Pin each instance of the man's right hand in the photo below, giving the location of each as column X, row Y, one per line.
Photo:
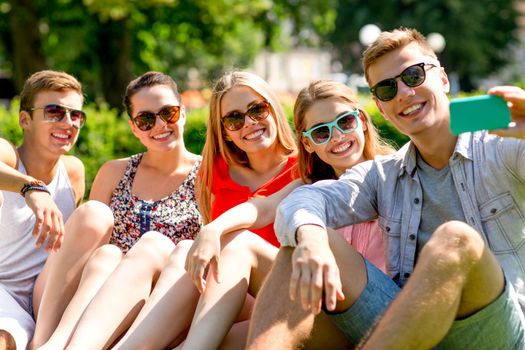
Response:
column 48, row 219
column 515, row 98
column 314, row 270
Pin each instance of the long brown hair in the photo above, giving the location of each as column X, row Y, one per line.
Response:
column 216, row 143
column 311, row 167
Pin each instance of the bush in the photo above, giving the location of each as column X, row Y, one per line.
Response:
column 107, row 135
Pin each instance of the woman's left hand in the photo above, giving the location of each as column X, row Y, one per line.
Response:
column 515, row 98
column 204, row 252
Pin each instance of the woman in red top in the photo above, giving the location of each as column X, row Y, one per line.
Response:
column 250, row 149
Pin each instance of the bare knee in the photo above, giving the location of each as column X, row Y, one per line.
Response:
column 92, row 219
column 152, row 248
column 7, row 342
column 178, row 256
column 455, row 244
column 103, row 258
column 241, row 244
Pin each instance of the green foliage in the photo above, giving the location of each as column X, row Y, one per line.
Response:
column 478, row 34
column 105, row 43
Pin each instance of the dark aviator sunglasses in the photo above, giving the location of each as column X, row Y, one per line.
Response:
column 412, row 76
column 55, row 113
column 146, row 120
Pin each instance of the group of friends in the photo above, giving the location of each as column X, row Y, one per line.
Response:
column 328, row 238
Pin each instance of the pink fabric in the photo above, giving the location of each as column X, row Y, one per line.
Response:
column 367, row 239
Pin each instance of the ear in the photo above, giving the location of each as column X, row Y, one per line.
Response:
column 226, row 136
column 182, row 117
column 378, row 105
column 445, row 81
column 133, row 127
column 307, row 145
column 363, row 121
column 24, row 120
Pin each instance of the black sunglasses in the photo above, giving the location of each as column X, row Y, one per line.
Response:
column 56, row 113
column 234, row 120
column 146, row 120
column 412, row 76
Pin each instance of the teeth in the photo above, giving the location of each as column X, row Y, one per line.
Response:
column 163, row 135
column 412, row 108
column 254, row 134
column 60, row 135
column 343, row 147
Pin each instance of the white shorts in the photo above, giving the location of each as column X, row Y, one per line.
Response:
column 15, row 320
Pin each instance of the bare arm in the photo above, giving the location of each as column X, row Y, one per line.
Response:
column 107, row 179
column 10, row 179
column 256, row 213
column 48, row 218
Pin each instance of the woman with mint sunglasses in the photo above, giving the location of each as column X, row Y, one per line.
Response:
column 334, row 134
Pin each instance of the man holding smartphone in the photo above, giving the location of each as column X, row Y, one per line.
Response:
column 452, row 212
column 40, row 186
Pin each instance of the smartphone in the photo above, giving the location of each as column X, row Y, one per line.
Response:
column 485, row 112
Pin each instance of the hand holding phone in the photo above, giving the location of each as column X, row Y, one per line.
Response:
column 485, row 112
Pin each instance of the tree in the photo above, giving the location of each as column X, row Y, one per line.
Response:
column 478, row 34
column 107, row 42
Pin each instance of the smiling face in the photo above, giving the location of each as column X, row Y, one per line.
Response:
column 55, row 138
column 163, row 136
column 419, row 112
column 343, row 150
column 255, row 136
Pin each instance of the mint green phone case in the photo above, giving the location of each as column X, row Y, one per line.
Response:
column 485, row 112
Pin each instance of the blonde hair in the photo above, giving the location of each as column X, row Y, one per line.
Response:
column 47, row 80
column 216, row 143
column 311, row 167
column 390, row 41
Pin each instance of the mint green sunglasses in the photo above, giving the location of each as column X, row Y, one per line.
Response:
column 345, row 123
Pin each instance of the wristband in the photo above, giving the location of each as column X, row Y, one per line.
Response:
column 35, row 185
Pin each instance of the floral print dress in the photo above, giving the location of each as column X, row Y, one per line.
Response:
column 176, row 215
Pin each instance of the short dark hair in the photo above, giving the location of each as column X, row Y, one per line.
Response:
column 147, row 80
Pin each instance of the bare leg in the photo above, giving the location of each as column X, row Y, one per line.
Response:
column 88, row 228
column 101, row 264
column 172, row 303
column 123, row 294
column 236, row 337
column 280, row 323
column 456, row 275
column 244, row 263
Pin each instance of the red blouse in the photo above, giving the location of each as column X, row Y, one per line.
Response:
column 228, row 193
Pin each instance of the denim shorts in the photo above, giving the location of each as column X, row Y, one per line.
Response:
column 500, row 325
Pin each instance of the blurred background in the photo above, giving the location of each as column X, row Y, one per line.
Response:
column 106, row 43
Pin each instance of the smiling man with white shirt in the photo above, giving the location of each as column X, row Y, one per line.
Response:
column 40, row 186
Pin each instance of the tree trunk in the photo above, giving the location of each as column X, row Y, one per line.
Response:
column 28, row 57
column 114, row 52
